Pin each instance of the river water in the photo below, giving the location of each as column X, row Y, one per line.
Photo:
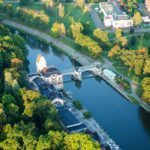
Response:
column 126, row 123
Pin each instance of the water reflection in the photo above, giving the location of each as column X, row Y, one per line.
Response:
column 145, row 119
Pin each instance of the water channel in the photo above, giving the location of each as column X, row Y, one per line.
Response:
column 126, row 123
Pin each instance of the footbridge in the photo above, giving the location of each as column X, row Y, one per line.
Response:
column 76, row 73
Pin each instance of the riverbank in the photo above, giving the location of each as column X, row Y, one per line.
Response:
column 74, row 54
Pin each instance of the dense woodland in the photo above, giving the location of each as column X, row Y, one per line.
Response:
column 27, row 119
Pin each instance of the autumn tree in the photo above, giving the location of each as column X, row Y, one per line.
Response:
column 137, row 18
column 114, row 51
column 146, row 89
column 147, row 66
column 120, row 39
column 61, row 11
column 58, row 29
column 62, row 29
column 76, row 29
column 55, row 29
column 49, row 3
column 82, row 141
column 102, row 36
column 80, row 3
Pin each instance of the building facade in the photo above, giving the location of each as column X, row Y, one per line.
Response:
column 50, row 74
column 147, row 5
column 114, row 17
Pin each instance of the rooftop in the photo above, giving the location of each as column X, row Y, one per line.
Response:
column 77, row 128
column 47, row 72
column 111, row 8
column 67, row 118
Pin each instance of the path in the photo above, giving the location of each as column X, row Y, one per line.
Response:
column 67, row 49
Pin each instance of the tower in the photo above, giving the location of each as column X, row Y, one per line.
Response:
column 40, row 63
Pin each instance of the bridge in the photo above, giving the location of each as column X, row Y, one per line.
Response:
column 94, row 68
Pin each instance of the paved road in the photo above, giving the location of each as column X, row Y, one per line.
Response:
column 96, row 19
column 77, row 56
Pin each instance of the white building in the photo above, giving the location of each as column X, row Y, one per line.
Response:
column 50, row 74
column 109, row 74
column 113, row 16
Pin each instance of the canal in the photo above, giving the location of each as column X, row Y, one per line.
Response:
column 126, row 123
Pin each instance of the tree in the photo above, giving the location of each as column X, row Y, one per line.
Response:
column 49, row 3
column 2, row 116
column 8, row 99
column 61, row 11
column 55, row 30
column 43, row 143
column 102, row 36
column 62, row 29
column 76, row 29
column 129, row 5
column 147, row 66
column 137, row 18
column 146, row 89
column 8, row 81
column 114, row 51
column 120, row 39
column 80, row 3
column 78, row 141
column 118, row 33
column 15, row 87
column 56, row 139
column 87, row 42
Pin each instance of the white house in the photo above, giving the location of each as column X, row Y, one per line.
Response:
column 113, row 16
column 50, row 74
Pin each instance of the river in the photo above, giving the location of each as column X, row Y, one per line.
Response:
column 126, row 123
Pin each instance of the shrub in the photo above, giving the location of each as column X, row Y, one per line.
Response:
column 87, row 114
column 78, row 104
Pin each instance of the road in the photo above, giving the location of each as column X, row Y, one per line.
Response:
column 84, row 60
column 96, row 19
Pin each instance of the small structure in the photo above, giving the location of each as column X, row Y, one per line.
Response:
column 109, row 74
column 113, row 15
column 50, row 74
column 146, row 19
column 58, row 102
column 69, row 122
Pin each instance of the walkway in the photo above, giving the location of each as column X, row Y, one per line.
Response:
column 81, row 58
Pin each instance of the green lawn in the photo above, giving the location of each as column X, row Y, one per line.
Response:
column 71, row 11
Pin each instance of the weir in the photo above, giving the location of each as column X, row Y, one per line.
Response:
column 94, row 68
